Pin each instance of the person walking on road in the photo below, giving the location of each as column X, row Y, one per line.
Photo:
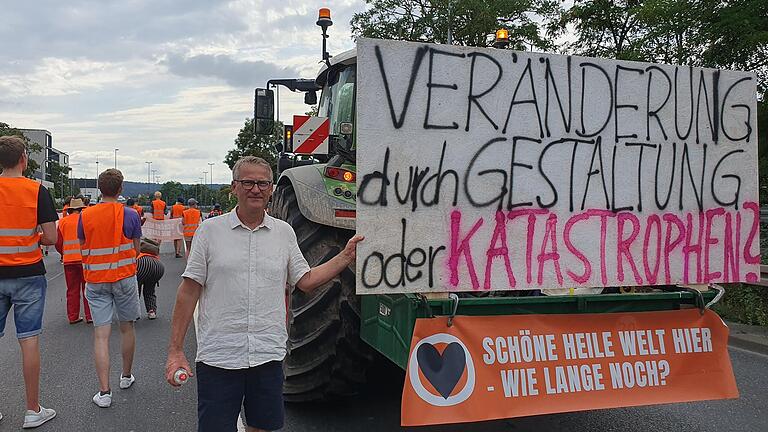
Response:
column 139, row 209
column 68, row 246
column 236, row 275
column 158, row 206
column 109, row 235
column 177, row 211
column 64, row 207
column 192, row 218
column 216, row 211
column 149, row 271
column 27, row 220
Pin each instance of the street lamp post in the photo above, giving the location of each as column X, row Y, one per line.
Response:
column 149, row 168
column 116, row 158
column 70, row 174
column 210, row 168
column 205, row 186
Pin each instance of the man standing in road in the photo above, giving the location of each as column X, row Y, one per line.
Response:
column 237, row 270
column 192, row 218
column 110, row 235
column 177, row 211
column 26, row 209
column 158, row 206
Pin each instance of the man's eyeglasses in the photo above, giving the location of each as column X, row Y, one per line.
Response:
column 249, row 184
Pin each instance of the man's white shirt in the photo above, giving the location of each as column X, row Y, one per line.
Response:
column 241, row 312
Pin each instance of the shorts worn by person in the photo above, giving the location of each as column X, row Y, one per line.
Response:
column 236, row 273
column 109, row 235
column 27, row 220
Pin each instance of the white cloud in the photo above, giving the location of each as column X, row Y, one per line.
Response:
column 167, row 81
column 62, row 77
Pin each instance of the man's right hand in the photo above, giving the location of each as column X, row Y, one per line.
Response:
column 176, row 360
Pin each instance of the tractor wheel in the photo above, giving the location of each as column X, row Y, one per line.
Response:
column 326, row 358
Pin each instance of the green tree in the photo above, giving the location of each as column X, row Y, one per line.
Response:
column 225, row 198
column 171, row 191
column 32, row 165
column 62, row 186
column 249, row 144
column 472, row 22
column 707, row 33
column 603, row 28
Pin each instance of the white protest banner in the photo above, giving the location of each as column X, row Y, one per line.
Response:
column 167, row 229
column 485, row 169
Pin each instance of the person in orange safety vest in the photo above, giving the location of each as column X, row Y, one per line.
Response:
column 130, row 202
column 68, row 246
column 109, row 235
column 158, row 206
column 27, row 220
column 192, row 218
column 177, row 211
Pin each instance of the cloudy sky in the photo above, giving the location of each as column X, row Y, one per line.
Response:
column 167, row 81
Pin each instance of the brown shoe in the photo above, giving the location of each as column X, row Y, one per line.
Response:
column 76, row 321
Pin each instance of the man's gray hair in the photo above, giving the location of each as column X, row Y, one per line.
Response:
column 249, row 160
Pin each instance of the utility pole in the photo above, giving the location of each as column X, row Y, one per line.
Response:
column 116, row 158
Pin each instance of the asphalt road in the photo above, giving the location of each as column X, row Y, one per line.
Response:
column 69, row 382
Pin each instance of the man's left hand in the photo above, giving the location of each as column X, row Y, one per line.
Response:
column 350, row 250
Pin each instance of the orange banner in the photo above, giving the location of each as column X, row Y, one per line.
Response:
column 492, row 367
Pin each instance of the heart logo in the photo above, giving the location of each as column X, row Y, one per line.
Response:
column 444, row 370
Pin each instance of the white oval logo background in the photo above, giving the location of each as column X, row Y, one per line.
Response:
column 418, row 387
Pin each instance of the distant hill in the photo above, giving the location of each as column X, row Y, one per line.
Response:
column 132, row 189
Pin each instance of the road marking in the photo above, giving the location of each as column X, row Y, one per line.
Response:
column 51, row 279
column 744, row 350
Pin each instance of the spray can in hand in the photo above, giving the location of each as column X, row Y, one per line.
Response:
column 180, row 376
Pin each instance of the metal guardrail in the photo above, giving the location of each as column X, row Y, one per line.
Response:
column 763, row 276
column 763, row 268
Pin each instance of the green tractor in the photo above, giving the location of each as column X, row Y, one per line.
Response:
column 333, row 329
column 316, row 196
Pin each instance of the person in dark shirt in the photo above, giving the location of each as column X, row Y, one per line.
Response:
column 216, row 211
column 27, row 220
column 149, row 271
